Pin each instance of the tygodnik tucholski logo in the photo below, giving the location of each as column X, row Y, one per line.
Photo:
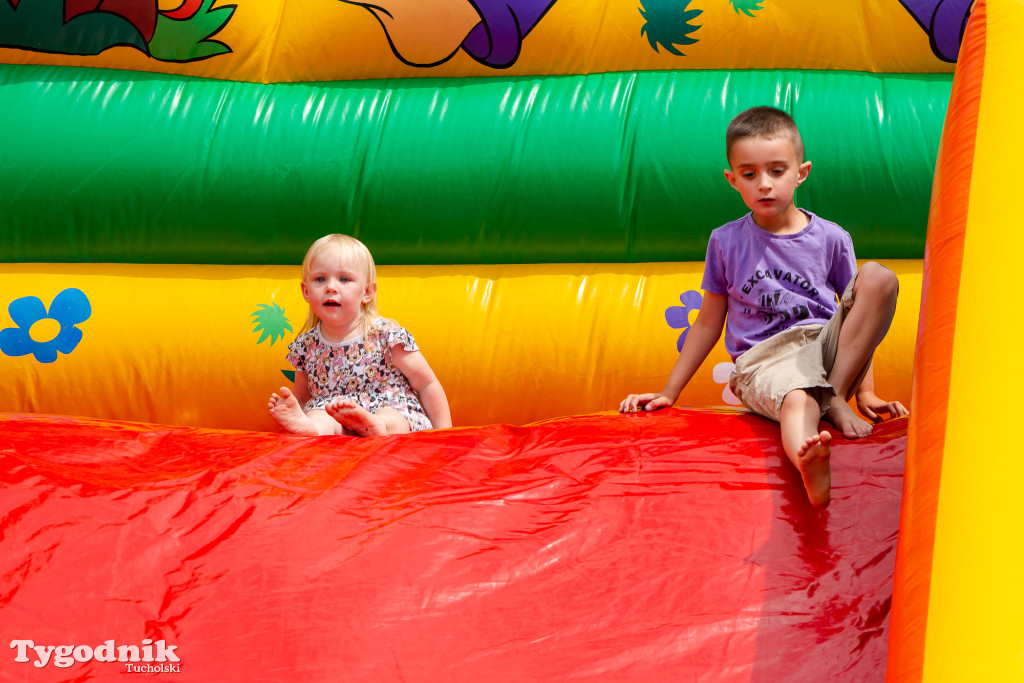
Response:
column 158, row 657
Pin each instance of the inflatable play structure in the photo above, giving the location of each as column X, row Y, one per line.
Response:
column 536, row 181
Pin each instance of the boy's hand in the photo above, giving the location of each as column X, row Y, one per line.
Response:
column 635, row 402
column 870, row 406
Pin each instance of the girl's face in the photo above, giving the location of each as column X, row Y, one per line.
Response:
column 336, row 292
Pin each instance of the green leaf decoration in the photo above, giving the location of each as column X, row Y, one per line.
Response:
column 668, row 24
column 188, row 40
column 289, row 375
column 271, row 321
column 748, row 7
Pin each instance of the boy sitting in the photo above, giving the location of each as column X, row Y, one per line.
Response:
column 772, row 280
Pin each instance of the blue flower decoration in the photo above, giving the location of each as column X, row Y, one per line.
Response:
column 70, row 308
column 678, row 317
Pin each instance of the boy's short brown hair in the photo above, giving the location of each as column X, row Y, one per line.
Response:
column 763, row 122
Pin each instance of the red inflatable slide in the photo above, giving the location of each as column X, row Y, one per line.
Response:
column 670, row 546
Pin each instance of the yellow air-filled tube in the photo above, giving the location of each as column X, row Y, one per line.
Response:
column 206, row 345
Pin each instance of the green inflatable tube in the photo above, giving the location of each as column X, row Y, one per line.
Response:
column 115, row 166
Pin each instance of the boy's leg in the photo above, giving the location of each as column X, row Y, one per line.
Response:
column 864, row 327
column 807, row 448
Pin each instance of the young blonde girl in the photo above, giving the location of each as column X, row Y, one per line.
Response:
column 355, row 372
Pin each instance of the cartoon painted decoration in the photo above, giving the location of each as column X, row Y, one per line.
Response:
column 944, row 21
column 498, row 38
column 748, row 7
column 721, row 374
column 678, row 317
column 668, row 24
column 430, row 33
column 271, row 321
column 70, row 308
column 291, row 42
column 88, row 27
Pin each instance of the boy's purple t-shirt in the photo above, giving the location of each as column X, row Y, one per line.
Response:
column 776, row 281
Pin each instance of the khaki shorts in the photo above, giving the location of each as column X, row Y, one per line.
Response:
column 798, row 358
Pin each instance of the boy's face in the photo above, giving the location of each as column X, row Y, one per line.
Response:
column 766, row 173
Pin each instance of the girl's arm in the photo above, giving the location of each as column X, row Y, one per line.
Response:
column 702, row 337
column 422, row 379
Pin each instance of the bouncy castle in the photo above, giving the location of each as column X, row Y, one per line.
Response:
column 536, row 180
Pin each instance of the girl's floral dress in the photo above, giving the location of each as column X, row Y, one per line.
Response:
column 359, row 369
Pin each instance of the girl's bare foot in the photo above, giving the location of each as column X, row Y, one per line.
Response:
column 815, row 470
column 286, row 410
column 356, row 418
column 842, row 416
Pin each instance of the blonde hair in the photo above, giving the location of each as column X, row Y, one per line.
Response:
column 351, row 253
column 763, row 122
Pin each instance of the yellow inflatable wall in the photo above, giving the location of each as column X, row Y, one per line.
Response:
column 205, row 345
column 280, row 41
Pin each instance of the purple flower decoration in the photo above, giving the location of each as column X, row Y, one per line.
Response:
column 678, row 317
column 70, row 308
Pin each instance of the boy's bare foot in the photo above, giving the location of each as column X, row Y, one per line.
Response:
column 842, row 416
column 815, row 470
column 356, row 418
column 286, row 410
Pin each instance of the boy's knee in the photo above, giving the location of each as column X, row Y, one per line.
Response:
column 878, row 279
column 799, row 399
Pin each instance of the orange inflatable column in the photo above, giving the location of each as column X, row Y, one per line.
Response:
column 957, row 594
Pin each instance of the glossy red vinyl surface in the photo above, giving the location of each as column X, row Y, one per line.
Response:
column 669, row 546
